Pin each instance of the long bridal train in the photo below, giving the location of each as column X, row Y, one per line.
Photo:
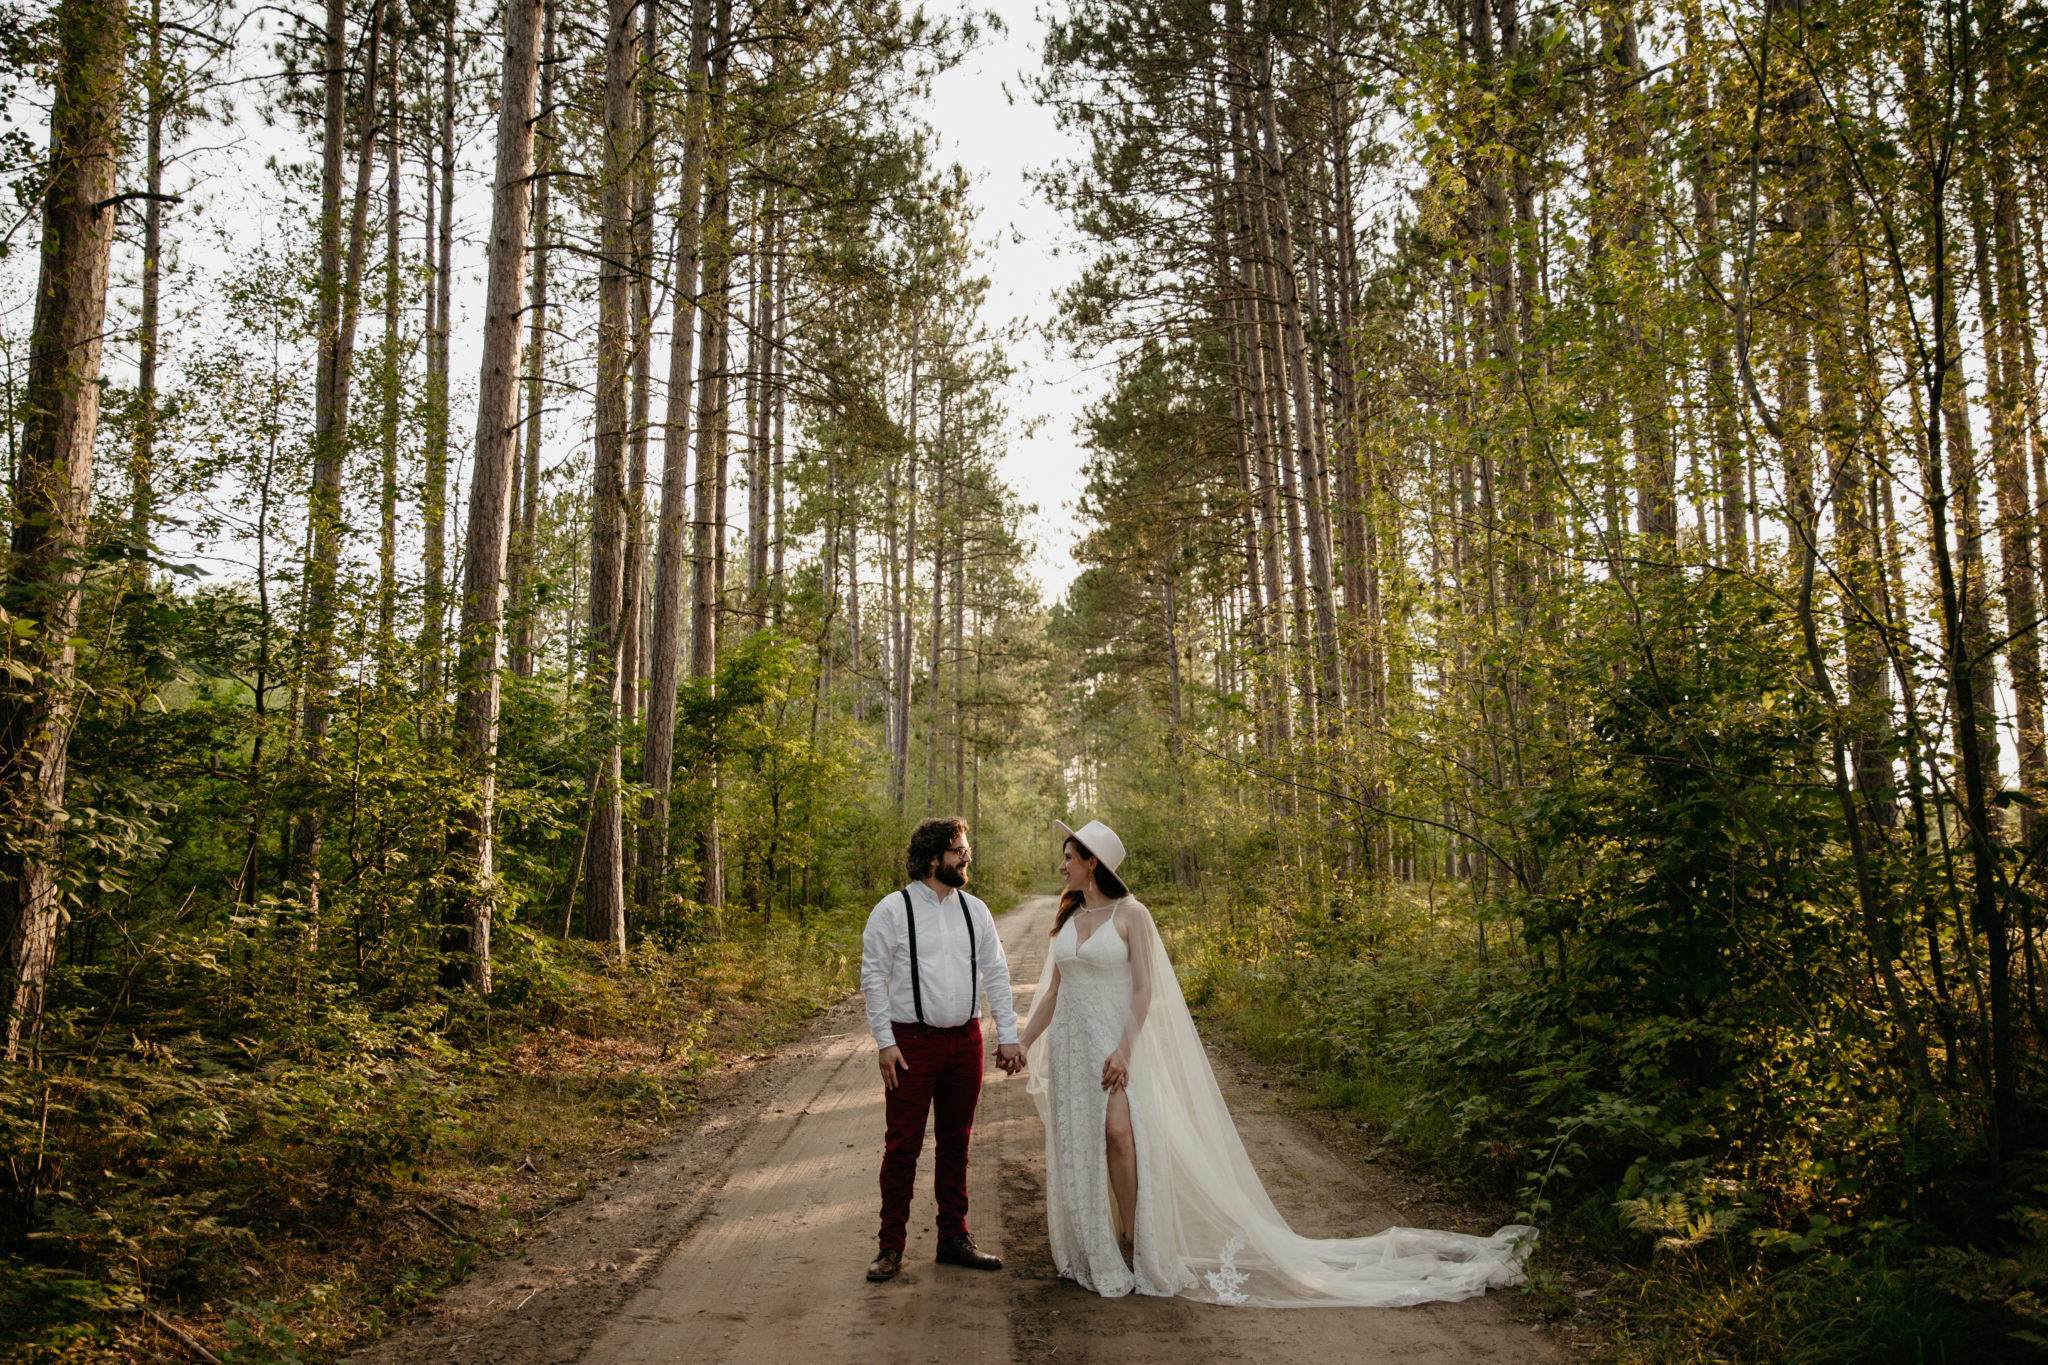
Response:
column 1205, row 1227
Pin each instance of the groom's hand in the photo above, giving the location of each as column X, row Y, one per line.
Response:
column 890, row 1059
column 1010, row 1057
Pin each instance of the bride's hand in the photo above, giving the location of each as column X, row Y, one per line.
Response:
column 1116, row 1072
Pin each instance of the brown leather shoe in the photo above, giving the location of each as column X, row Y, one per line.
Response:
column 962, row 1251
column 885, row 1266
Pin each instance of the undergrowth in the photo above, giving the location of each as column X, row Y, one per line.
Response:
column 285, row 1168
column 1780, row 1252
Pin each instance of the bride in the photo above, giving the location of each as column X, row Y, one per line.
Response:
column 1147, row 1183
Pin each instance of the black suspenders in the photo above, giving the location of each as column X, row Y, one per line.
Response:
column 916, row 986
column 973, row 956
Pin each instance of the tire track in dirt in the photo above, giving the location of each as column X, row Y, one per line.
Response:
column 745, row 1241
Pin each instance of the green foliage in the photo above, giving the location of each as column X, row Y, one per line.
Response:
column 1886, row 1301
column 1665, row 1039
column 1464, row 1060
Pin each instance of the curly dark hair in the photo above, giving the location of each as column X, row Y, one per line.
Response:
column 929, row 841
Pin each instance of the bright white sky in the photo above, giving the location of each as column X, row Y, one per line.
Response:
column 989, row 124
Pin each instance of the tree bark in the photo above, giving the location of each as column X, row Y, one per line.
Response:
column 1226, row 227
column 940, row 529
column 52, row 489
column 435, row 500
column 142, row 464
column 393, row 370
column 761, row 361
column 1650, row 436
column 633, row 666
column 899, row 776
column 778, row 395
column 520, row 572
column 657, row 754
column 961, row 522
column 712, row 343
column 339, row 288
column 1722, row 412
column 604, row 906
column 471, row 832
column 1294, row 341
column 2002, row 305
column 1264, row 484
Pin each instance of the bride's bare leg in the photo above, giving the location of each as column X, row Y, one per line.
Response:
column 1123, row 1162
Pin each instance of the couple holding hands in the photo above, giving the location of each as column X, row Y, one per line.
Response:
column 1148, row 1186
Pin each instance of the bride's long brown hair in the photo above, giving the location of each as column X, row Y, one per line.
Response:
column 1106, row 881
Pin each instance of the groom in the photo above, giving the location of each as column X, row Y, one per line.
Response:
column 928, row 954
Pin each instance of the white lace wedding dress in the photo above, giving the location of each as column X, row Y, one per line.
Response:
column 1205, row 1227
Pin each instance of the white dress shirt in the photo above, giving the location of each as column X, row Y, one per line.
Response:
column 950, row 997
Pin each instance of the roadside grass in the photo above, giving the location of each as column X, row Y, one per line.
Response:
column 1258, row 974
column 1884, row 1306
column 519, row 1109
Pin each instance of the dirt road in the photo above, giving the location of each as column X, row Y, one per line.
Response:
column 745, row 1241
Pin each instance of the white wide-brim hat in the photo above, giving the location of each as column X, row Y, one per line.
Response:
column 1100, row 841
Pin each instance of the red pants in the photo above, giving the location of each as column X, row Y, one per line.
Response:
column 944, row 1072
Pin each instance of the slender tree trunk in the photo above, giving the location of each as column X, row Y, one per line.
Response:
column 633, row 667
column 711, row 359
column 340, row 286
column 1973, row 582
column 1294, row 341
column 323, row 505
column 52, row 486
column 850, row 536
column 1224, row 228
column 712, row 347
column 1350, row 507
column 1252, row 345
column 2011, row 487
column 940, row 530
column 393, row 370
column 604, row 906
column 359, row 215
column 2003, row 309
column 892, row 583
column 1650, row 436
column 954, row 674
column 833, row 517
column 657, row 755
column 721, row 543
column 907, row 581
column 471, row 833
column 1722, row 412
column 761, row 354
column 777, row 400
column 142, row 463
column 1958, row 570
column 525, row 547
column 435, row 501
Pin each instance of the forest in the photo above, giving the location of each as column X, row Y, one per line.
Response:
column 513, row 515
column 1569, row 504
column 386, row 743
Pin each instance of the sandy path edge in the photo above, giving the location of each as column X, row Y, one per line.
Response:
column 545, row 1301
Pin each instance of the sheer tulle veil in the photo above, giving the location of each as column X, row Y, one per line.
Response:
column 1209, row 1231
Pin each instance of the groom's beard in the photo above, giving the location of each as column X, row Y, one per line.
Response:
column 955, row 877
